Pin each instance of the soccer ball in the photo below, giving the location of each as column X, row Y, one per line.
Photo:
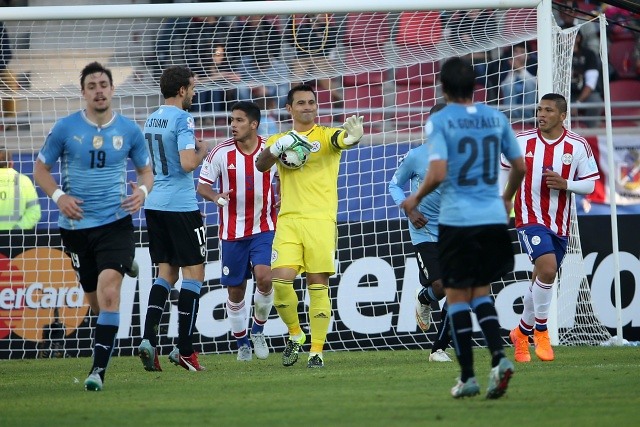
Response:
column 296, row 157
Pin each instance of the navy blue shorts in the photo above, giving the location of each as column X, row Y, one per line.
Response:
column 537, row 240
column 109, row 246
column 474, row 256
column 427, row 253
column 239, row 256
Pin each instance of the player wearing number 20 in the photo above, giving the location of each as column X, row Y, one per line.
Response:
column 95, row 213
column 474, row 246
column 174, row 223
column 305, row 239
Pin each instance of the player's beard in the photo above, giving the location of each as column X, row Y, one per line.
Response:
column 186, row 104
column 104, row 109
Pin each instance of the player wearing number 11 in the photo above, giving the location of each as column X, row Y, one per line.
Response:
column 95, row 212
column 474, row 247
column 174, row 223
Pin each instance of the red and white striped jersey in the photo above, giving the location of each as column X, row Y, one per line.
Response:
column 571, row 157
column 251, row 208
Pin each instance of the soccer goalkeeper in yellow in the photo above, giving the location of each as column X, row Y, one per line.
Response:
column 306, row 234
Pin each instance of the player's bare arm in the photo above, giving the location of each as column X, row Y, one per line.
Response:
column 139, row 190
column 417, row 218
column 191, row 159
column 208, row 193
column 265, row 160
column 554, row 181
column 69, row 206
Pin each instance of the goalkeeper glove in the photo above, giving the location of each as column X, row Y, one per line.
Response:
column 289, row 141
column 355, row 129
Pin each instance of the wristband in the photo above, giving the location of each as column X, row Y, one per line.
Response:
column 144, row 190
column 222, row 201
column 57, row 194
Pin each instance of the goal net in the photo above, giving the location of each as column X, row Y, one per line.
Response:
column 376, row 63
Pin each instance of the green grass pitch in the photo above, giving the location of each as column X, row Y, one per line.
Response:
column 584, row 386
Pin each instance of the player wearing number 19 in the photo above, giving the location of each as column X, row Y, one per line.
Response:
column 174, row 223
column 474, row 247
column 95, row 212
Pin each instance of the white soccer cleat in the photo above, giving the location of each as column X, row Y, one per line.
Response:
column 423, row 313
column 244, row 353
column 466, row 389
column 260, row 346
column 439, row 356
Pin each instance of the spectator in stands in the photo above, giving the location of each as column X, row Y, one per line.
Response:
column 173, row 31
column 314, row 39
column 519, row 86
column 202, row 34
column 19, row 205
column 268, row 121
column 260, row 49
column 464, row 25
column 569, row 15
column 210, row 99
column 636, row 57
column 585, row 80
column 8, row 80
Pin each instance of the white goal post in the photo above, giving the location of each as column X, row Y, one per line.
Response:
column 379, row 59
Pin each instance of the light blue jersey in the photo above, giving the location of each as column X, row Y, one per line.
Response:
column 93, row 165
column 168, row 131
column 471, row 139
column 413, row 167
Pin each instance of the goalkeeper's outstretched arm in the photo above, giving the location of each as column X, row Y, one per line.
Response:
column 355, row 130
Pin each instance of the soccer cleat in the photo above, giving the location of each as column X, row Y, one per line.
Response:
column 499, row 378
column 190, row 363
column 260, row 347
column 315, row 361
column 520, row 344
column 466, row 389
column 93, row 381
column 423, row 313
column 439, row 356
column 134, row 270
column 543, row 345
column 290, row 353
column 244, row 353
column 149, row 356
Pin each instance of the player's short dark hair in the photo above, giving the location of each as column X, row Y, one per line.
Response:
column 299, row 88
column 458, row 79
column 173, row 78
column 95, row 67
column 437, row 108
column 561, row 101
column 251, row 109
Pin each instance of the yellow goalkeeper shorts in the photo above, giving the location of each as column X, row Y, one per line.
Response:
column 305, row 245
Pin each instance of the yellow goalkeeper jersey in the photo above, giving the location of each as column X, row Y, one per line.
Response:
column 312, row 190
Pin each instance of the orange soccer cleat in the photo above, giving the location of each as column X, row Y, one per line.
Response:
column 543, row 345
column 521, row 345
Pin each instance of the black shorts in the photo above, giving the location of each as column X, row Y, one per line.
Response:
column 176, row 238
column 92, row 250
column 474, row 256
column 429, row 266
